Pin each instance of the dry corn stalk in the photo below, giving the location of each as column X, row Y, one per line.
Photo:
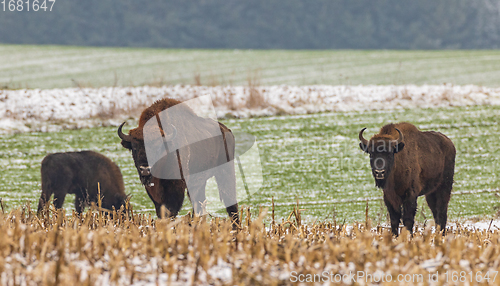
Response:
column 100, row 248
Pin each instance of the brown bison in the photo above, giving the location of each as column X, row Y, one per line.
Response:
column 407, row 163
column 79, row 173
column 173, row 149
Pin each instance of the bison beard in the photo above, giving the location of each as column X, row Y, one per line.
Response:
column 79, row 173
column 202, row 160
column 407, row 163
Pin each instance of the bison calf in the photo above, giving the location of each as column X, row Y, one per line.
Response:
column 407, row 163
column 79, row 173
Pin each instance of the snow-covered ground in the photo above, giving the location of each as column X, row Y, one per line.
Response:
column 489, row 225
column 492, row 225
column 55, row 109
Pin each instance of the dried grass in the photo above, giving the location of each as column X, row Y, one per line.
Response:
column 255, row 98
column 114, row 111
column 100, row 248
column 197, row 78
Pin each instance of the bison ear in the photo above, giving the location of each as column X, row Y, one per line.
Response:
column 399, row 147
column 363, row 147
column 127, row 144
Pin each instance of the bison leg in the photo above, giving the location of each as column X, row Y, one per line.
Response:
column 79, row 204
column 157, row 205
column 432, row 203
column 232, row 211
column 47, row 189
column 395, row 216
column 171, row 196
column 442, row 195
column 409, row 211
column 59, row 199
column 197, row 196
column 226, row 182
column 438, row 203
column 158, row 209
column 57, row 185
column 44, row 198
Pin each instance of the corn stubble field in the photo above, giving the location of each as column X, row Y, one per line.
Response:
column 95, row 249
column 318, row 216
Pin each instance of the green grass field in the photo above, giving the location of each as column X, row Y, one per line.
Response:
column 61, row 66
column 312, row 158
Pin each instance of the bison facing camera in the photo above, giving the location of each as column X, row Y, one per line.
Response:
column 186, row 142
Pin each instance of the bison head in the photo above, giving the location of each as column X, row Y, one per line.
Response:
column 381, row 149
column 138, row 148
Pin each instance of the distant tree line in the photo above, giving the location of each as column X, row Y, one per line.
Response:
column 260, row 24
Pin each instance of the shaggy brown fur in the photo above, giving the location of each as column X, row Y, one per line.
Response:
column 422, row 163
column 157, row 107
column 197, row 158
column 79, row 173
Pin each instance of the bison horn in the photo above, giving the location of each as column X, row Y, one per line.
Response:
column 400, row 139
column 171, row 136
column 361, row 138
column 124, row 137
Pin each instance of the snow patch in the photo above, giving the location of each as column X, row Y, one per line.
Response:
column 56, row 109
